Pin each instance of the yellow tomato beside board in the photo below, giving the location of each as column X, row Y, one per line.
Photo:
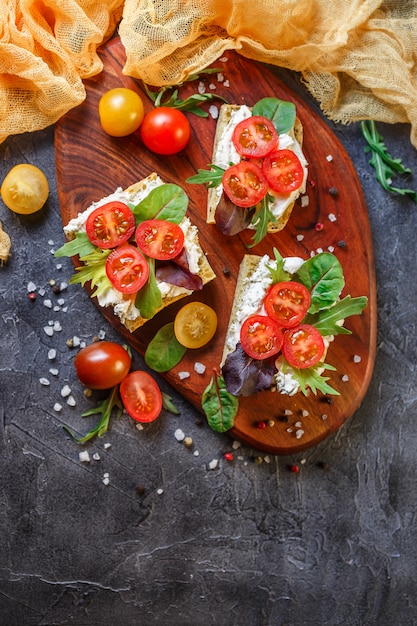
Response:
column 25, row 189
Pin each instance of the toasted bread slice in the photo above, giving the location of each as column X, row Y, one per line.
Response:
column 124, row 305
column 223, row 140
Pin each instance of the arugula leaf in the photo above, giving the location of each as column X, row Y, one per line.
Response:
column 211, row 178
column 168, row 405
column 164, row 351
column 219, row 406
column 322, row 274
column 277, row 272
column 326, row 320
column 105, row 408
column 80, row 245
column 94, row 270
column 261, row 220
column 310, row 378
column 384, row 164
column 192, row 103
column 281, row 113
column 149, row 298
column 165, row 202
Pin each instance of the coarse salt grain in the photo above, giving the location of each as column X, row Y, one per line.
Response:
column 48, row 330
column 200, row 368
column 357, row 358
column 345, row 378
column 332, row 217
column 96, row 456
column 57, row 407
column 300, row 237
column 305, row 201
column 236, row 445
column 183, row 375
column 31, row 286
column 139, row 426
column 330, row 248
column 212, row 86
column 84, row 456
column 71, row 401
column 324, row 417
column 298, row 424
column 107, row 446
column 213, row 464
column 44, row 381
column 226, row 83
column 214, row 111
column 106, row 478
column 201, row 87
column 196, row 453
column 41, row 291
column 299, row 433
column 304, row 413
column 65, row 391
column 329, row 158
column 48, row 304
column 53, row 371
column 159, row 491
column 179, row 435
column 220, row 77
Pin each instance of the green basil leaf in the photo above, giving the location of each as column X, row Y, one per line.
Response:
column 219, row 406
column 164, row 351
column 326, row 321
column 166, row 202
column 281, row 113
column 80, row 245
column 149, row 298
column 323, row 277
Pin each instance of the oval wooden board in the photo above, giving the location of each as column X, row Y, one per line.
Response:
column 91, row 165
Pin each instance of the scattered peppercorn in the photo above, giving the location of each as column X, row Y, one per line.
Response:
column 312, row 183
column 56, row 289
column 333, row 191
column 140, row 489
column 283, row 418
column 323, row 465
column 198, row 421
column 341, row 243
column 226, row 271
column 327, row 399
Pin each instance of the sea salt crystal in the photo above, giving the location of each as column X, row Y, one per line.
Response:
column 183, row 375
column 71, row 401
column 31, row 286
column 65, row 391
column 200, row 368
column 329, row 158
column 106, row 478
column 57, row 407
column 57, row 327
column 357, row 358
column 84, row 456
column 201, row 87
column 48, row 304
column 212, row 86
column 96, row 456
column 220, row 77
column 214, row 111
column 330, row 248
column 305, row 201
column 53, row 371
column 159, row 491
column 299, row 433
column 213, row 464
column 179, row 435
column 44, row 381
column 48, row 330
column 332, row 217
column 300, row 237
column 345, row 378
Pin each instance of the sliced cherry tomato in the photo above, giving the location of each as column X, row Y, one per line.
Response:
column 303, row 346
column 260, row 337
column 141, row 396
column 245, row 184
column 160, row 239
column 195, row 324
column 287, row 303
column 283, row 171
column 110, row 225
column 120, row 111
column 102, row 364
column 165, row 130
column 255, row 137
column 127, row 269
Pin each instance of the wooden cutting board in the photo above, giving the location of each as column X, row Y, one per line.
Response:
column 91, row 165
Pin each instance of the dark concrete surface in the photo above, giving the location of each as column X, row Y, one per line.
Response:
column 247, row 544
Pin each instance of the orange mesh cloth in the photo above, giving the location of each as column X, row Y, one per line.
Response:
column 357, row 57
column 46, row 49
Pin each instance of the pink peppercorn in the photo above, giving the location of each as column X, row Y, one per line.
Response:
column 228, row 456
column 319, row 226
column 32, row 295
column 261, row 425
column 295, row 469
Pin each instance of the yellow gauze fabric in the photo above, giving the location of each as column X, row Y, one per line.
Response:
column 357, row 57
column 46, row 48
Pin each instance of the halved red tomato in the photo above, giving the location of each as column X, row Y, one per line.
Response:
column 287, row 303
column 283, row 171
column 141, row 396
column 255, row 137
column 303, row 346
column 260, row 337
column 127, row 269
column 110, row 225
column 160, row 239
column 245, row 184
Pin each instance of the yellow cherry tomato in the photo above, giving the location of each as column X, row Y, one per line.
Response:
column 121, row 111
column 25, row 189
column 195, row 324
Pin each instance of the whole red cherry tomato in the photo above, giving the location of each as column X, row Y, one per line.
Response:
column 165, row 130
column 102, row 365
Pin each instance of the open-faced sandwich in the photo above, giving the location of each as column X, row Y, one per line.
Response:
column 258, row 168
column 138, row 250
column 285, row 314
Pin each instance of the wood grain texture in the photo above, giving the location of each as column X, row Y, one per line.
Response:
column 91, row 165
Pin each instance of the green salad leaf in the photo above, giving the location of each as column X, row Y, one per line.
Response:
column 311, row 378
column 278, row 274
column 281, row 113
column 164, row 351
column 80, row 245
column 149, row 298
column 261, row 219
column 210, row 178
column 326, row 321
column 322, row 274
column 105, row 409
column 219, row 406
column 94, row 270
column 165, row 202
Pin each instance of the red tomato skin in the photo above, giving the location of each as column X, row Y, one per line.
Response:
column 102, row 365
column 245, row 184
column 303, row 346
column 255, row 137
column 165, row 130
column 283, row 171
column 160, row 239
column 287, row 303
column 260, row 337
column 141, row 396
column 110, row 225
column 127, row 269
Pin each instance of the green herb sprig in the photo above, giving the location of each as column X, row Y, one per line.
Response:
column 384, row 164
column 192, row 103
